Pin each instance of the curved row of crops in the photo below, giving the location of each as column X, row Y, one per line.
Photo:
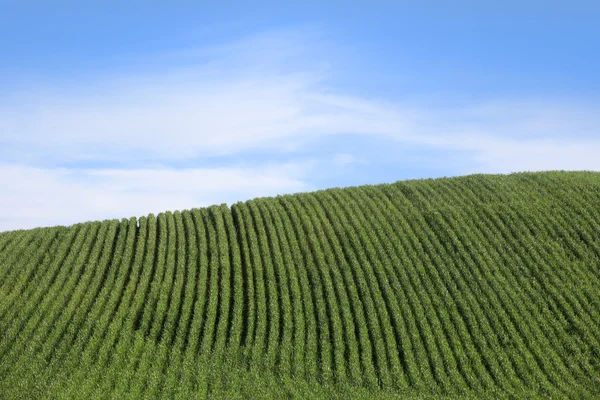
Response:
column 481, row 286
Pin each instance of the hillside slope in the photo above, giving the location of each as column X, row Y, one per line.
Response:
column 480, row 286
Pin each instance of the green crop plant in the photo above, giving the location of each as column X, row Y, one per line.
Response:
column 483, row 286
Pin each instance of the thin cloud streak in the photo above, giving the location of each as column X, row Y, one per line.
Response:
column 279, row 115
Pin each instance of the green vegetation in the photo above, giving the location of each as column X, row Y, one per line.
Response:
column 483, row 286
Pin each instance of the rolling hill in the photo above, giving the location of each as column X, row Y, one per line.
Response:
column 484, row 286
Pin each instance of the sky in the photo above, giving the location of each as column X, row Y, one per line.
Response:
column 121, row 109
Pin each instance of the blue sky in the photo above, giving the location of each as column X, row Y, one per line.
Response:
column 113, row 110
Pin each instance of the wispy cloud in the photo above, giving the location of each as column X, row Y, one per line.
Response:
column 268, row 93
column 31, row 197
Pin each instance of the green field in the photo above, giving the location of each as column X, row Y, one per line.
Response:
column 484, row 286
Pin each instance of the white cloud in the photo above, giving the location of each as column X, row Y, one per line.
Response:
column 268, row 92
column 31, row 197
column 167, row 122
column 512, row 155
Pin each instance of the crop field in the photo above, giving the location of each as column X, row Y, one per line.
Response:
column 484, row 286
